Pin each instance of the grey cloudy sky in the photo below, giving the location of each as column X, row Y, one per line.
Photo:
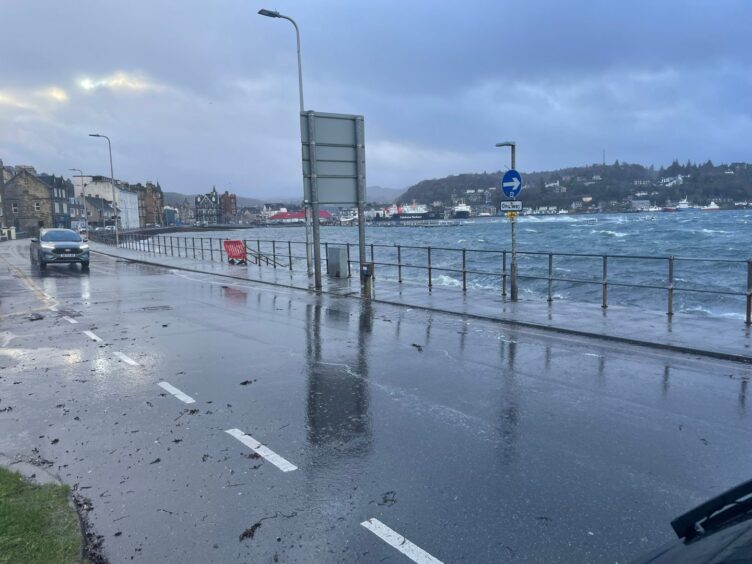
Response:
column 201, row 93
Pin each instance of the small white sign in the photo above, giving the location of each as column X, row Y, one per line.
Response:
column 512, row 205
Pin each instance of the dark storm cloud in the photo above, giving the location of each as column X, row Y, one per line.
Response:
column 201, row 93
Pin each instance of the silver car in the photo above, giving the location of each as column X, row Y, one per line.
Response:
column 59, row 246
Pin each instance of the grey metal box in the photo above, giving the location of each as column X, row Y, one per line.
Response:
column 336, row 262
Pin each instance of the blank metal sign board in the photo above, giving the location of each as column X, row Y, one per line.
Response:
column 336, row 142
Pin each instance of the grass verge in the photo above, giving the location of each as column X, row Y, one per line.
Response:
column 37, row 523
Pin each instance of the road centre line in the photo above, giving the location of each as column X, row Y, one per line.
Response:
column 261, row 450
column 92, row 336
column 125, row 358
column 69, row 319
column 393, row 538
column 175, row 392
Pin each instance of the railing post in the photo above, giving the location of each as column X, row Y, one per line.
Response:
column 211, row 249
column 289, row 253
column 464, row 270
column 193, row 242
column 604, row 282
column 349, row 269
column 430, row 282
column 202, row 248
column 258, row 252
column 399, row 264
column 221, row 246
column 550, row 277
column 172, row 250
column 670, row 311
column 326, row 257
column 274, row 253
column 503, row 273
column 748, row 317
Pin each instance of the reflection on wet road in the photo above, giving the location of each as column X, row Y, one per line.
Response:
column 215, row 420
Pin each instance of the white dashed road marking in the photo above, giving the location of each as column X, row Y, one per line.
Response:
column 125, row 358
column 261, row 450
column 92, row 336
column 393, row 538
column 177, row 393
column 69, row 319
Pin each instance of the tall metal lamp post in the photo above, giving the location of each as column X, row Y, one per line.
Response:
column 513, row 218
column 112, row 184
column 83, row 201
column 307, row 205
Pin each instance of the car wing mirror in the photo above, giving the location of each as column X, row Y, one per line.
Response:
column 35, row 240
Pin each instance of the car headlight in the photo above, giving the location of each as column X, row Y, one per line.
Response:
column 48, row 246
column 84, row 247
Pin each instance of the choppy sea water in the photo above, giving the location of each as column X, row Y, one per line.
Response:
column 686, row 234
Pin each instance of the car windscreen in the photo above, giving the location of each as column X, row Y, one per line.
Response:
column 56, row 236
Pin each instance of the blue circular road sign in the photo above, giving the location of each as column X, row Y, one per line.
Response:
column 511, row 183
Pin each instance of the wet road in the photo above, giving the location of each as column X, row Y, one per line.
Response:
column 377, row 430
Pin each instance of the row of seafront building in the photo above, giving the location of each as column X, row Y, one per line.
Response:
column 30, row 201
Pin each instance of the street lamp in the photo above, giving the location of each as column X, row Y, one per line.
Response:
column 112, row 184
column 513, row 218
column 82, row 201
column 308, row 208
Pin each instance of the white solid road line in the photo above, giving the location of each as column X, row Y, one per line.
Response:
column 125, row 358
column 92, row 336
column 261, row 450
column 177, row 393
column 69, row 319
column 53, row 308
column 393, row 538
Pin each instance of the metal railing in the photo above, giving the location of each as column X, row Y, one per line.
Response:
column 475, row 268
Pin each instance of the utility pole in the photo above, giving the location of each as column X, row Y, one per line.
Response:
column 512, row 215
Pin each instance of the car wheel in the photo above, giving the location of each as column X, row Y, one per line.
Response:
column 84, row 266
column 42, row 264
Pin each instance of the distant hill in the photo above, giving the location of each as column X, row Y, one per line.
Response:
column 609, row 186
column 380, row 195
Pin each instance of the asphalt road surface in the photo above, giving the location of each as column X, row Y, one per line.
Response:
column 211, row 420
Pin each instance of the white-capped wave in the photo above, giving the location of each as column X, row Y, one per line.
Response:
column 444, row 280
column 610, row 233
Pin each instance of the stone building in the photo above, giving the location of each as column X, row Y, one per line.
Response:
column 27, row 202
column 228, row 204
column 150, row 203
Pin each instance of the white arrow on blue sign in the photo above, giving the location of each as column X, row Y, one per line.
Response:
column 511, row 183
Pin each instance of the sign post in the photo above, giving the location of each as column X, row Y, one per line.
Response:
column 334, row 172
column 511, row 185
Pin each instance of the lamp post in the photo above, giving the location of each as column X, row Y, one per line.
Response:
column 81, row 201
column 112, row 184
column 513, row 218
column 308, row 207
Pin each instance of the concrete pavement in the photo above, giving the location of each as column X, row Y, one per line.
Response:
column 715, row 337
column 468, row 440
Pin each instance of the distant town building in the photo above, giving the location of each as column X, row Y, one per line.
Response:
column 640, row 205
column 99, row 212
column 207, row 208
column 228, row 204
column 27, row 202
